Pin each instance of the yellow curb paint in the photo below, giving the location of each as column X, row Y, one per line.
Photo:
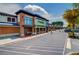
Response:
column 68, row 46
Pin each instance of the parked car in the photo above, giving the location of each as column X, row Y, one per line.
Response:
column 67, row 30
column 76, row 32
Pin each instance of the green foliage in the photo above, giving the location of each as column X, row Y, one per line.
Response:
column 72, row 17
column 76, row 5
column 57, row 23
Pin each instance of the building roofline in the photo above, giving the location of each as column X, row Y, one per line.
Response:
column 29, row 13
column 41, row 17
column 23, row 11
column 7, row 14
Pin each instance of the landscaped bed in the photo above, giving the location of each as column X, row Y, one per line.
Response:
column 70, row 34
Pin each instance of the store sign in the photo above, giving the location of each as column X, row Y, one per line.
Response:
column 28, row 20
column 40, row 22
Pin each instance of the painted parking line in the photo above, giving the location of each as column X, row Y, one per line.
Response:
column 68, row 46
column 35, row 49
column 46, row 50
column 17, row 52
column 46, row 46
column 50, row 46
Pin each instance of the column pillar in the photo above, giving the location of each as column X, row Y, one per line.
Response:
column 21, row 25
column 33, row 27
column 39, row 30
column 35, row 30
column 45, row 30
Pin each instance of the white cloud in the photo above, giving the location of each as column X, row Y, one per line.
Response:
column 35, row 9
column 60, row 18
column 53, row 18
column 48, row 16
column 10, row 8
column 38, row 10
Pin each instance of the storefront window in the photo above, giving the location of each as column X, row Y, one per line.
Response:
column 13, row 20
column 28, row 21
column 9, row 19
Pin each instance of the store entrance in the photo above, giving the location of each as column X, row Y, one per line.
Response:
column 28, row 31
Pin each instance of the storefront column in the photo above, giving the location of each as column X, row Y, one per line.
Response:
column 22, row 31
column 45, row 30
column 42, row 30
column 35, row 30
column 21, row 25
column 33, row 27
column 39, row 30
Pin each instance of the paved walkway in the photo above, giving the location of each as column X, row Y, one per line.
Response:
column 72, row 46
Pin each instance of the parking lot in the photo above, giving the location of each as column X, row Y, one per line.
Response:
column 48, row 44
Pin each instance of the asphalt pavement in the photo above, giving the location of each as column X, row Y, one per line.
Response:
column 48, row 44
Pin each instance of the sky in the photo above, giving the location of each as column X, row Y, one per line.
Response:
column 52, row 8
column 51, row 11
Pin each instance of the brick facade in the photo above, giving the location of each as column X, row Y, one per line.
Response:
column 9, row 30
column 22, row 28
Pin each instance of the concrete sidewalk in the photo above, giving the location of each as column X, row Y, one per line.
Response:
column 72, row 46
column 75, row 45
column 9, row 40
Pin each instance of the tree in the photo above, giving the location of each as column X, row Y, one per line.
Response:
column 71, row 17
column 57, row 24
column 76, row 5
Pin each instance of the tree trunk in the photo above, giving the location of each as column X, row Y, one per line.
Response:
column 73, row 30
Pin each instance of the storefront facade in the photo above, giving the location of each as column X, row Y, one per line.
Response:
column 31, row 23
column 8, row 25
column 23, row 24
column 26, row 22
column 40, row 25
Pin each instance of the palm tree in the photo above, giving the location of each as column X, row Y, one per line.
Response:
column 76, row 5
column 71, row 16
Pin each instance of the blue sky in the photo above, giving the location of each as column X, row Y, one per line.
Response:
column 54, row 10
column 51, row 8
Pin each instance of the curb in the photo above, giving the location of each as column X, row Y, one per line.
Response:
column 25, row 38
column 64, row 49
column 73, row 53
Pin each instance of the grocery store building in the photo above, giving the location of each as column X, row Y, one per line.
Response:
column 23, row 23
column 31, row 23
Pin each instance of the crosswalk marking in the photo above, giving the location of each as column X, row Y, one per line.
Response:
column 68, row 46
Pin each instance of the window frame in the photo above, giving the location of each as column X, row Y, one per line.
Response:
column 11, row 20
